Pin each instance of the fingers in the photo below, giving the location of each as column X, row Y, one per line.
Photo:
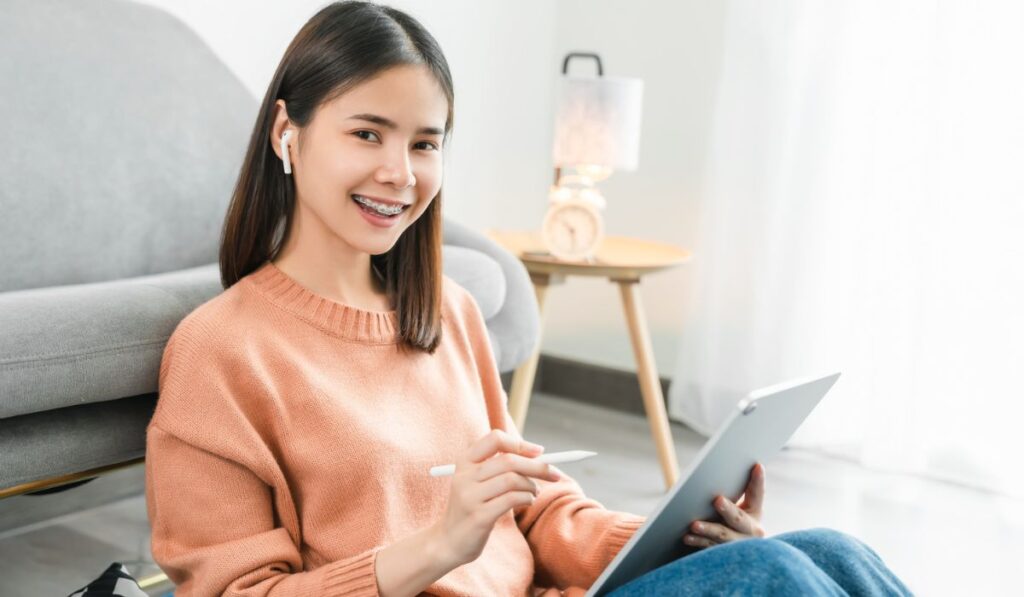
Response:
column 530, row 467
column 499, row 441
column 753, row 497
column 698, row 541
column 737, row 519
column 711, row 532
column 739, row 524
column 504, row 483
column 498, row 506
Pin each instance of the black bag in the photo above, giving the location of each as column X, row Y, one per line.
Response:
column 114, row 582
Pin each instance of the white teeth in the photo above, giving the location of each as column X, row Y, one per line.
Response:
column 387, row 210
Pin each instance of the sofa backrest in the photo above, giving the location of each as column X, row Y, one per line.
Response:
column 123, row 138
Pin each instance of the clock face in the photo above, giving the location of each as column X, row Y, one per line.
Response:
column 572, row 230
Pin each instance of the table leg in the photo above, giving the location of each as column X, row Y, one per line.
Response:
column 522, row 379
column 650, row 386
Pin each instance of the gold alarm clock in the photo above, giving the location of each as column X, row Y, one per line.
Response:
column 572, row 229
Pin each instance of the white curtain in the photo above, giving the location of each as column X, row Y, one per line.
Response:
column 863, row 212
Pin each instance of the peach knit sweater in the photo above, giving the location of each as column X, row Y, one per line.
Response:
column 292, row 441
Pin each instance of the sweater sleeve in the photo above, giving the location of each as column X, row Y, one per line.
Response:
column 213, row 530
column 214, row 496
column 572, row 537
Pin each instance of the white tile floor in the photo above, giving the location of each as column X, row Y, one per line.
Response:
column 941, row 539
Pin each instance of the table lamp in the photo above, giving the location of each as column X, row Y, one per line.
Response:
column 597, row 131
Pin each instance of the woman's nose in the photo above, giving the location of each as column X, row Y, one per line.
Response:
column 398, row 172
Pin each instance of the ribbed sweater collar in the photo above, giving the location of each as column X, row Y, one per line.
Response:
column 339, row 319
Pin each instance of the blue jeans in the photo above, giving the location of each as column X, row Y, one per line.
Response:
column 808, row 562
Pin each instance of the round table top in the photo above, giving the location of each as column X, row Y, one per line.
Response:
column 617, row 256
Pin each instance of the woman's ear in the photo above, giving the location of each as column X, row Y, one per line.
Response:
column 280, row 125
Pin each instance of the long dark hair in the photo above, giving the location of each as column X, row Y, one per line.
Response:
column 342, row 45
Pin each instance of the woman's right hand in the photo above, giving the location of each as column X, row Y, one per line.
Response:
column 485, row 488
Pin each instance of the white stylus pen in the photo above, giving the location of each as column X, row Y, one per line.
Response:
column 552, row 458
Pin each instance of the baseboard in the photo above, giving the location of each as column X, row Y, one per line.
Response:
column 597, row 385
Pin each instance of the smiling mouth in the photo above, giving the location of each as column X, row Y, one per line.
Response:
column 378, row 209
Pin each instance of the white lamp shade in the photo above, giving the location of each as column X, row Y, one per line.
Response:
column 597, row 122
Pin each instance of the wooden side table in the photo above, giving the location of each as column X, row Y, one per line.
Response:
column 622, row 260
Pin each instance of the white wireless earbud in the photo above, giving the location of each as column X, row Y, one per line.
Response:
column 284, row 152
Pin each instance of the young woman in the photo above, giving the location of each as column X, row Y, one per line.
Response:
column 301, row 409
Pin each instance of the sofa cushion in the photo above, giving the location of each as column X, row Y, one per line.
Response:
column 479, row 274
column 515, row 328
column 69, row 440
column 83, row 343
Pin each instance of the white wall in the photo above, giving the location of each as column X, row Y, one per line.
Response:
column 505, row 57
column 675, row 47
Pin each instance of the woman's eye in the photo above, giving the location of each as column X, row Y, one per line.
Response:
column 428, row 144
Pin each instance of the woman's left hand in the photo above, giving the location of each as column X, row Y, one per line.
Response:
column 743, row 520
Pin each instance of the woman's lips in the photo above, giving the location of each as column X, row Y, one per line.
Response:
column 384, row 201
column 376, row 219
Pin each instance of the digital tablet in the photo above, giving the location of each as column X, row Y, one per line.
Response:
column 753, row 432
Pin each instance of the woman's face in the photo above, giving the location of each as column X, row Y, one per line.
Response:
column 379, row 140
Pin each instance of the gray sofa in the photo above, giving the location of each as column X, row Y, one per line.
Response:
column 124, row 137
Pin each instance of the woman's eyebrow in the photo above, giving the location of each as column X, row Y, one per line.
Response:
column 426, row 130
